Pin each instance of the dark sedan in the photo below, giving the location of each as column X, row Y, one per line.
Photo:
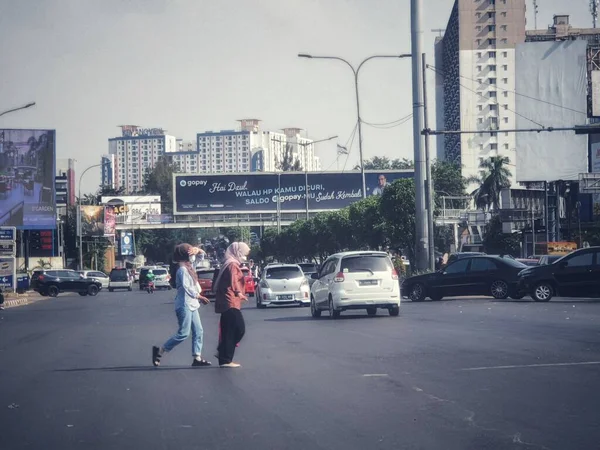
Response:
column 494, row 276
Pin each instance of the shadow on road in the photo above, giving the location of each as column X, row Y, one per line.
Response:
column 134, row 369
column 324, row 318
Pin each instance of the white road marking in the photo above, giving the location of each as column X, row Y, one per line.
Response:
column 524, row 366
column 375, row 375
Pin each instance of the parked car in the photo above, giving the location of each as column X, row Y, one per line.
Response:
column 308, row 269
column 529, row 261
column 548, row 259
column 162, row 278
column 461, row 255
column 96, row 275
column 249, row 282
column 120, row 279
column 574, row 275
column 494, row 276
column 282, row 284
column 356, row 280
column 52, row 282
column 205, row 278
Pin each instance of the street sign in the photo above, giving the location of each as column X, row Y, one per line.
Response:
column 8, row 234
column 7, row 248
column 8, row 275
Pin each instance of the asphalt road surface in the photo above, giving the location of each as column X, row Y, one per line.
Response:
column 75, row 373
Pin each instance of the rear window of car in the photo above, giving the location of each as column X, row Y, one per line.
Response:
column 308, row 268
column 159, row 272
column 366, row 263
column 283, row 273
column 206, row 275
column 119, row 275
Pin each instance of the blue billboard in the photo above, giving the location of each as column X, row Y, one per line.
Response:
column 268, row 192
column 27, row 169
column 127, row 244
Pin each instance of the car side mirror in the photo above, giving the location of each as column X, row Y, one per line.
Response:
column 314, row 276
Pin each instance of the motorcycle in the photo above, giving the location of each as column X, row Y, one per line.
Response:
column 150, row 287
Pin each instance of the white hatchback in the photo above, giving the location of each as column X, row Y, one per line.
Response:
column 96, row 275
column 356, row 280
column 282, row 284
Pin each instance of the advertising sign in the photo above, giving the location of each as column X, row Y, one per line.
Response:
column 109, row 221
column 8, row 234
column 27, row 161
column 7, row 248
column 561, row 248
column 268, row 192
column 8, row 275
column 92, row 220
column 127, row 244
column 132, row 209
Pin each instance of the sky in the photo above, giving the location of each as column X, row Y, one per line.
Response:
column 196, row 65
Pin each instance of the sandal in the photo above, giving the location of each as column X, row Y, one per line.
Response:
column 200, row 363
column 156, row 356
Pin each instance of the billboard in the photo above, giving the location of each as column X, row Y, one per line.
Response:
column 268, row 192
column 8, row 274
column 109, row 220
column 27, row 169
column 132, row 209
column 127, row 243
column 92, row 220
column 554, row 76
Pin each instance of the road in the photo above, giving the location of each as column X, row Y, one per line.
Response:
column 457, row 374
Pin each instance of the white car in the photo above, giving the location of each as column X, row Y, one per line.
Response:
column 356, row 280
column 162, row 278
column 96, row 275
column 282, row 284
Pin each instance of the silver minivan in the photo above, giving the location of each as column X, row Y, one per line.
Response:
column 356, row 280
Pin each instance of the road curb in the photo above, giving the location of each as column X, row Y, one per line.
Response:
column 12, row 301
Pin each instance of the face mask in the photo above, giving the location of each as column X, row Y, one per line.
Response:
column 193, row 259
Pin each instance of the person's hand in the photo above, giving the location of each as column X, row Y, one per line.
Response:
column 203, row 299
column 243, row 298
column 195, row 251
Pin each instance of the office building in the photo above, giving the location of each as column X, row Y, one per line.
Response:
column 65, row 182
column 475, row 81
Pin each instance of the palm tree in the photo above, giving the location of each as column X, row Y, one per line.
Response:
column 494, row 176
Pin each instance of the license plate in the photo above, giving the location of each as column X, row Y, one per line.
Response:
column 285, row 297
column 368, row 283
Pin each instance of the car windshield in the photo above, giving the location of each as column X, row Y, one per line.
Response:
column 119, row 275
column 159, row 272
column 366, row 263
column 206, row 275
column 308, row 268
column 283, row 273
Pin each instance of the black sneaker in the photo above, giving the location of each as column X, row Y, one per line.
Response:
column 156, row 356
column 200, row 363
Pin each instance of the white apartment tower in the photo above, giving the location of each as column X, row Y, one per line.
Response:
column 134, row 154
column 475, row 81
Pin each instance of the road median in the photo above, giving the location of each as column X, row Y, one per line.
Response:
column 14, row 300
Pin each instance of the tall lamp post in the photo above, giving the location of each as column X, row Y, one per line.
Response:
column 306, row 144
column 356, row 71
column 79, row 215
column 28, row 105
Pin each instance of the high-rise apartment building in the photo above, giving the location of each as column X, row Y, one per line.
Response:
column 136, row 153
column 475, row 81
column 64, row 182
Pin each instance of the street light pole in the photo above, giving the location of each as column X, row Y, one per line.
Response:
column 359, row 121
column 28, row 105
column 79, row 215
column 306, row 144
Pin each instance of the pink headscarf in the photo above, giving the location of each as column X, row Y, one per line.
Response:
column 236, row 253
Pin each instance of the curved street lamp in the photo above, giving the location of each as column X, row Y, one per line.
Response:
column 356, row 72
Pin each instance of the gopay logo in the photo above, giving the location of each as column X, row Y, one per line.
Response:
column 182, row 183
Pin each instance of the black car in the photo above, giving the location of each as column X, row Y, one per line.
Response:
column 574, row 275
column 52, row 282
column 549, row 259
column 495, row 276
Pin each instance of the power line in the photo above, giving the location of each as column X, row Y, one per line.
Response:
column 511, row 91
column 350, row 151
column 402, row 119
column 480, row 94
column 352, row 133
column 387, row 127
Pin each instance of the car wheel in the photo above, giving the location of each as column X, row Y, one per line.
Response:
column 394, row 311
column 543, row 292
column 93, row 290
column 499, row 289
column 313, row 308
column 44, row 293
column 333, row 313
column 417, row 293
column 372, row 311
column 83, row 294
column 53, row 291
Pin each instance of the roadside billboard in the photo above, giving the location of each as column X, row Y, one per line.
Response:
column 109, row 220
column 27, row 169
column 127, row 243
column 8, row 274
column 132, row 209
column 258, row 192
column 92, row 220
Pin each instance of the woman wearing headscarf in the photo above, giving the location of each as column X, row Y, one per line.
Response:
column 230, row 293
column 187, row 304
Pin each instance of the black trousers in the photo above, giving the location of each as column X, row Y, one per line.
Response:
column 233, row 329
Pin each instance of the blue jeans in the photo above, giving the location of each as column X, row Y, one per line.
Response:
column 187, row 320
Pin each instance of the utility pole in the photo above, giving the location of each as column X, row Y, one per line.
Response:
column 535, row 13
column 421, row 231
column 594, row 11
column 429, row 191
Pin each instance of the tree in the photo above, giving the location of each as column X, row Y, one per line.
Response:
column 367, row 224
column 398, row 212
column 159, row 181
column 289, row 163
column 495, row 242
column 494, row 177
column 447, row 179
column 384, row 163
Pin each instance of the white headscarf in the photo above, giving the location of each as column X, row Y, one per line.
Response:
column 236, row 254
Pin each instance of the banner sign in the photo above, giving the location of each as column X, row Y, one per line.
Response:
column 8, row 234
column 269, row 192
column 92, row 220
column 127, row 244
column 7, row 249
column 109, row 221
column 8, row 275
